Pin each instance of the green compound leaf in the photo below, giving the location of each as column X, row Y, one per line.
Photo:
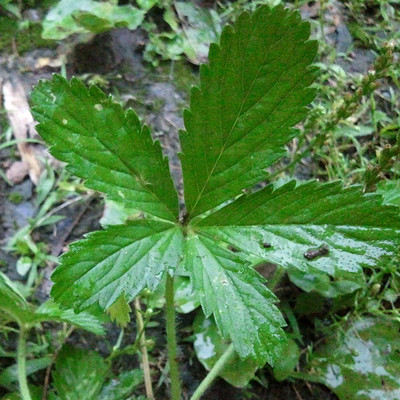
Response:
column 313, row 225
column 121, row 259
column 252, row 92
column 105, row 145
column 79, row 374
column 234, row 293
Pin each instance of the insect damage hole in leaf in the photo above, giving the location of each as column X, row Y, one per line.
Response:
column 252, row 93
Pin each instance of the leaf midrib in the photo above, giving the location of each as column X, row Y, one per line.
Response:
column 239, row 113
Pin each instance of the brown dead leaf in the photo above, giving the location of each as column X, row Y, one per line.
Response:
column 43, row 62
column 17, row 172
column 23, row 125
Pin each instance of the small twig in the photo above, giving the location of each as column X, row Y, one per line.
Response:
column 57, row 249
column 297, row 393
column 308, row 386
column 58, row 208
column 143, row 350
column 14, row 47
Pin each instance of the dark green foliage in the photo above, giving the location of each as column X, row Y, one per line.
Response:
column 253, row 91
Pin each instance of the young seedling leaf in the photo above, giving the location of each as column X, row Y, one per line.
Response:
column 234, row 293
column 105, row 145
column 79, row 374
column 313, row 225
column 390, row 190
column 121, row 259
column 287, row 362
column 14, row 306
column 119, row 311
column 252, row 92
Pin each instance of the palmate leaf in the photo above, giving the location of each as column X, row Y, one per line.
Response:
column 252, row 93
column 314, row 225
column 105, row 145
column 121, row 259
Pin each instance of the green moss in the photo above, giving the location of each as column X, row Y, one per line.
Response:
column 31, row 38
column 8, row 28
column 44, row 4
column 15, row 197
column 25, row 39
column 184, row 76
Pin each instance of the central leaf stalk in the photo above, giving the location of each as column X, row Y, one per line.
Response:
column 171, row 339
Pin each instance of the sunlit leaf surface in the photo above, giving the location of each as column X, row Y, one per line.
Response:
column 313, row 225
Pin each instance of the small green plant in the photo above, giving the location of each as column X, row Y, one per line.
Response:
column 88, row 16
column 77, row 374
column 15, row 309
column 253, row 91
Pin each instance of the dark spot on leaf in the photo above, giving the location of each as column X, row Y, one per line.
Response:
column 266, row 245
column 312, row 254
column 231, row 248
